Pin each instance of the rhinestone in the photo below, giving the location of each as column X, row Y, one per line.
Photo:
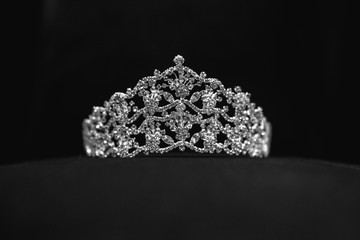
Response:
column 179, row 60
column 157, row 72
column 168, row 140
column 202, row 75
column 195, row 138
column 237, row 89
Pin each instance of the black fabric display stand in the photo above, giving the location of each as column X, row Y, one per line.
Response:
column 181, row 197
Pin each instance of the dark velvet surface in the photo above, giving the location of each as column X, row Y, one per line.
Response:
column 181, row 197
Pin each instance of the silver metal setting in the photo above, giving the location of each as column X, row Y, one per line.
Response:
column 173, row 106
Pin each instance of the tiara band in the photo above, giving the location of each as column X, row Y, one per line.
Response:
column 162, row 119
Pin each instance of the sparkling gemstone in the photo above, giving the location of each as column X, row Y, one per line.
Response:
column 168, row 140
column 202, row 75
column 237, row 89
column 179, row 60
column 180, row 107
column 157, row 72
column 195, row 138
column 195, row 97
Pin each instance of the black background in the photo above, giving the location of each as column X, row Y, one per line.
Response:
column 288, row 54
column 70, row 55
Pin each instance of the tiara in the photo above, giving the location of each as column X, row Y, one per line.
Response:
column 160, row 112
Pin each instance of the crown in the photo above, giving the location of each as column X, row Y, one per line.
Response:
column 160, row 112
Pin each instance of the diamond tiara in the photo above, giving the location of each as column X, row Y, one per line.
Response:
column 222, row 119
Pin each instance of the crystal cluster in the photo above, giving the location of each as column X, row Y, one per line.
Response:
column 172, row 112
